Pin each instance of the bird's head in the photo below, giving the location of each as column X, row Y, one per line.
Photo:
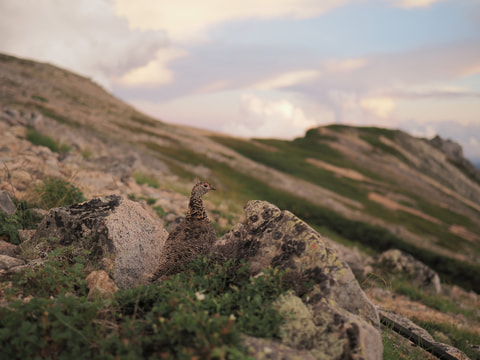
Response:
column 202, row 187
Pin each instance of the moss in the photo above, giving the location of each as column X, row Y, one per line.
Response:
column 299, row 330
column 304, row 329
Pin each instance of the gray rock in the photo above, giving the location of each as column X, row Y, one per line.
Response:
column 120, row 235
column 273, row 349
column 406, row 323
column 343, row 321
column 121, row 167
column 352, row 257
column 420, row 336
column 8, row 249
column 397, row 263
column 454, row 152
column 6, row 204
column 8, row 262
column 14, row 117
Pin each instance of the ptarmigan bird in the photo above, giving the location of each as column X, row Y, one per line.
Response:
column 195, row 235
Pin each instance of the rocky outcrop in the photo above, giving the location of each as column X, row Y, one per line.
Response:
column 454, row 153
column 18, row 117
column 334, row 317
column 394, row 263
column 419, row 336
column 119, row 234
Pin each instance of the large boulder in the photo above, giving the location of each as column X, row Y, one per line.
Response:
column 396, row 263
column 118, row 233
column 334, row 316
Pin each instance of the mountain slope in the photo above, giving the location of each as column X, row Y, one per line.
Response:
column 383, row 188
column 390, row 178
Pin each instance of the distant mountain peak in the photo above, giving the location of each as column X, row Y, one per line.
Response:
column 454, row 153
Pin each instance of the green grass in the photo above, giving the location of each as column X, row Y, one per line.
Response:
column 160, row 211
column 55, row 192
column 143, row 120
column 178, row 153
column 394, row 350
column 332, row 235
column 199, row 313
column 142, row 179
column 86, row 153
column 55, row 116
column 37, row 138
column 461, row 338
column 440, row 303
column 23, row 219
column 381, row 147
column 290, row 158
column 174, row 156
column 39, row 98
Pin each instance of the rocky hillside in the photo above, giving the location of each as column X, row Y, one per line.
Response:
column 367, row 188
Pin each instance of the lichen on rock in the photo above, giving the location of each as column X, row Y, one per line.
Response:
column 344, row 318
column 120, row 236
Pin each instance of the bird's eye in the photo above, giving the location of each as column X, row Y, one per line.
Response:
column 205, row 185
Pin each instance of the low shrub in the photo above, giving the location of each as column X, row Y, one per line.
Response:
column 62, row 272
column 37, row 138
column 142, row 178
column 160, row 211
column 199, row 313
column 57, row 192
column 23, row 218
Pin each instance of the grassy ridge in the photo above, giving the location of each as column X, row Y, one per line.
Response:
column 290, row 157
column 242, row 187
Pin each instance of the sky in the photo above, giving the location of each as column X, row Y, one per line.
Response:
column 269, row 68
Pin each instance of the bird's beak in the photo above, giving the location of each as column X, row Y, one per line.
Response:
column 213, row 188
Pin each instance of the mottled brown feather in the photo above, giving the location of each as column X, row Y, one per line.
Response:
column 195, row 235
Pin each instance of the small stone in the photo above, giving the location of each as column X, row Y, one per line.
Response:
column 100, row 285
column 6, row 204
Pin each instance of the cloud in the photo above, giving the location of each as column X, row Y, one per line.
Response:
column 156, row 71
column 471, row 69
column 353, row 109
column 380, row 106
column 269, row 118
column 84, row 36
column 437, row 90
column 287, row 79
column 344, row 65
column 188, row 20
column 408, row 4
column 213, row 87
